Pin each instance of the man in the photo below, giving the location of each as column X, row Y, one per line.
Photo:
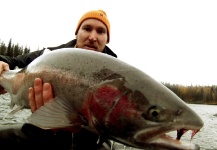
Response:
column 92, row 33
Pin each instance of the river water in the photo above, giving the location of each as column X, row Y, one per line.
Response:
column 206, row 138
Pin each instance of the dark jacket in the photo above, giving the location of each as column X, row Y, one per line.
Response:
column 22, row 61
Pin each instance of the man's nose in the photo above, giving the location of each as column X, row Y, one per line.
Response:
column 93, row 36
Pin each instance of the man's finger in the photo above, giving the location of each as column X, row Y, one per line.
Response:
column 38, row 89
column 47, row 92
column 32, row 102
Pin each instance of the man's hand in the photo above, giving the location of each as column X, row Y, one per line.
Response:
column 39, row 94
column 3, row 67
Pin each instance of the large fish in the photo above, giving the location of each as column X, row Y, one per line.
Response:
column 105, row 95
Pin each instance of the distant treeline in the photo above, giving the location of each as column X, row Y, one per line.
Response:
column 189, row 94
column 12, row 50
column 195, row 94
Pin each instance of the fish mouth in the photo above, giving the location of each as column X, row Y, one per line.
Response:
column 181, row 132
column 165, row 140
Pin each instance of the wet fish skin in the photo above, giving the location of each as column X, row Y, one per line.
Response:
column 106, row 95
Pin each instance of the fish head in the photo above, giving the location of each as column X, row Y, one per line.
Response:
column 142, row 119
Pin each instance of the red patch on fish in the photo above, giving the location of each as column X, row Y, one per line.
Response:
column 109, row 105
column 102, row 101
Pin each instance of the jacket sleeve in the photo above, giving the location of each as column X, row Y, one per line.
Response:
column 21, row 61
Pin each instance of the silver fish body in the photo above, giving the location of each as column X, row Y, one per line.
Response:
column 106, row 95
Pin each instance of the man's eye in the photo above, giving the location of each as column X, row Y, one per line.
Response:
column 87, row 29
column 100, row 31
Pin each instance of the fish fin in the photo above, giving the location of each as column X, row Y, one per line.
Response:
column 14, row 110
column 46, row 50
column 56, row 114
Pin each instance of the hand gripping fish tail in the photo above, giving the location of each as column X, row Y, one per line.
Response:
column 107, row 96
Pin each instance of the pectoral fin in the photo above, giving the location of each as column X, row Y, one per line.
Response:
column 56, row 114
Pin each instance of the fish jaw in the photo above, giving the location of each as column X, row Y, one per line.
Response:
column 166, row 142
column 156, row 136
column 162, row 140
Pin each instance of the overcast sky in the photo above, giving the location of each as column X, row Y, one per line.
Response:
column 173, row 41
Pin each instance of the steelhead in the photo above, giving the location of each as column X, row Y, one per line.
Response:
column 105, row 95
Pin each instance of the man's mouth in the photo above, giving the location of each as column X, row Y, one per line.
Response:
column 90, row 47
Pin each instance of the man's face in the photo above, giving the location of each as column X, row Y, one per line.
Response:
column 92, row 35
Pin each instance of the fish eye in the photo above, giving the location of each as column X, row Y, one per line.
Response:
column 154, row 112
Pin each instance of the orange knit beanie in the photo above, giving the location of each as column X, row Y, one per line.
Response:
column 95, row 14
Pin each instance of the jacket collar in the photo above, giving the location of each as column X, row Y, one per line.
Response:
column 106, row 50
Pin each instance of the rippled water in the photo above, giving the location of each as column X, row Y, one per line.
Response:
column 206, row 138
